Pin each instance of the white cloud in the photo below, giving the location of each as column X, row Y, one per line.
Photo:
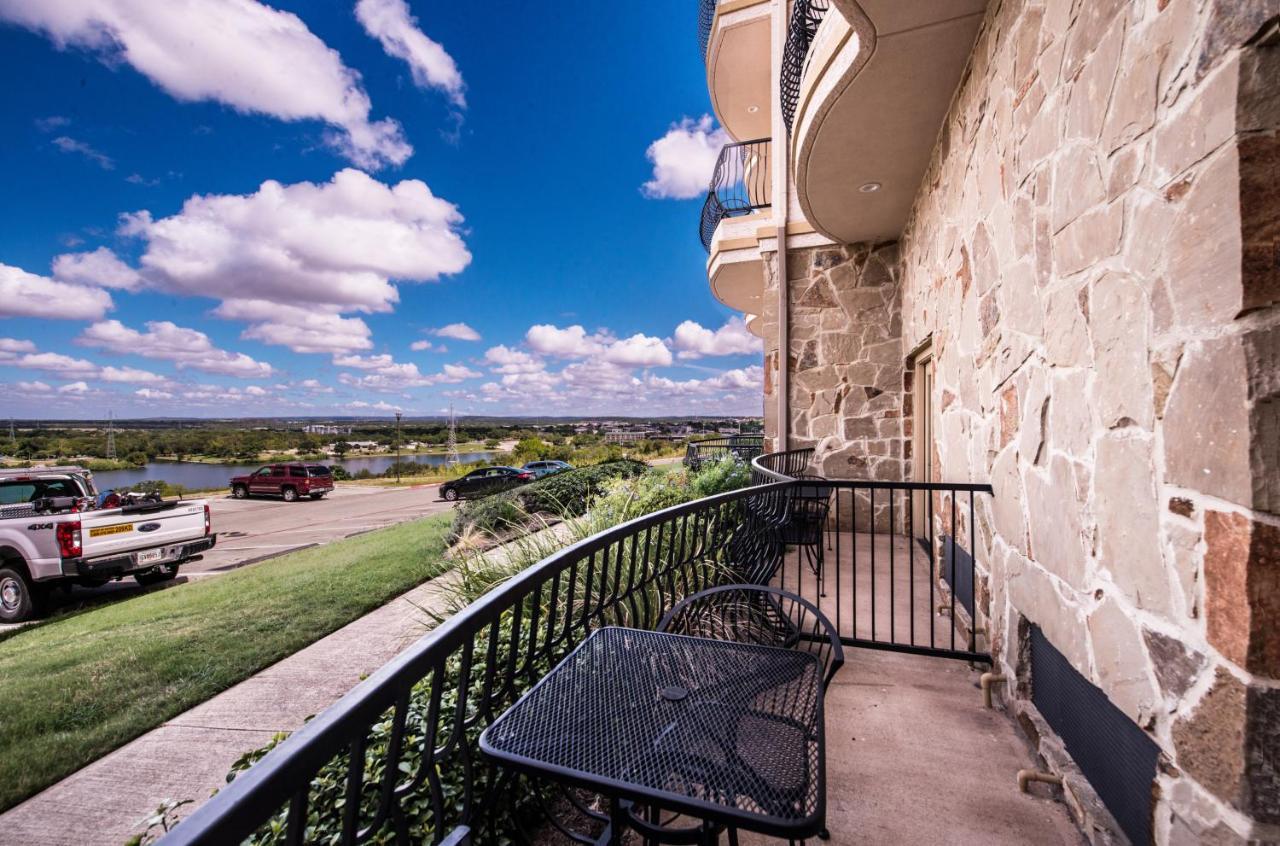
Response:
column 503, row 359
column 420, row 346
column 25, row 294
column 71, row 145
column 165, row 341
column 457, row 331
column 37, row 387
column 58, row 364
column 692, row 340
column 255, row 391
column 384, row 373
column 129, row 374
column 684, row 158
column 74, row 388
column 396, row 29
column 303, row 330
column 570, row 342
column 638, row 351
column 315, row 386
column 101, row 268
column 11, row 346
column 242, row 53
column 336, row 245
column 381, row 405
column 152, row 394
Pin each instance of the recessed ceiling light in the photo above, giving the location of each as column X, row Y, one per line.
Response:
column 869, row 188
column 751, row 110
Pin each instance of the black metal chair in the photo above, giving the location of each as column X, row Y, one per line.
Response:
column 754, row 614
column 805, row 527
column 759, row 614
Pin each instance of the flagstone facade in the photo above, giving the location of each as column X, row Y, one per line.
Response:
column 1093, row 259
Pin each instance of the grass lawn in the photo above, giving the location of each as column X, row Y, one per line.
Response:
column 79, row 686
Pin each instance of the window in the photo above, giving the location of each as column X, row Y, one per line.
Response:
column 265, row 471
column 298, row 472
column 318, row 471
column 12, row 493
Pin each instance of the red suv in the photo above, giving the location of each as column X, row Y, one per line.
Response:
column 290, row 481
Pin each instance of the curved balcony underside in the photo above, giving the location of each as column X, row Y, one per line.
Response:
column 737, row 57
column 879, row 79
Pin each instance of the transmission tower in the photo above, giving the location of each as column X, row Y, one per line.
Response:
column 111, row 435
column 453, row 459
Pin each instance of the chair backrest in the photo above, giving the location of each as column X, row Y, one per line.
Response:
column 758, row 614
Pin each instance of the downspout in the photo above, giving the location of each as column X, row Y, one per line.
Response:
column 781, row 156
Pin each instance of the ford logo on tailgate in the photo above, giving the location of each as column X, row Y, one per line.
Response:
column 148, row 527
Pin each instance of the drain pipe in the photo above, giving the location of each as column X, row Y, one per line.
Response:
column 985, row 681
column 781, row 169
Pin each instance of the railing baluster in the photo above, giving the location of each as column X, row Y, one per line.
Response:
column 872, row 518
column 911, row 561
column 953, row 568
column 893, row 579
column 973, row 578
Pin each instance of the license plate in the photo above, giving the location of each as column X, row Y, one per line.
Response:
column 151, row 556
column 99, row 531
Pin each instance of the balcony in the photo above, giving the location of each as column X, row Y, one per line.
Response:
column 735, row 209
column 397, row 758
column 734, row 42
column 865, row 88
column 742, row 448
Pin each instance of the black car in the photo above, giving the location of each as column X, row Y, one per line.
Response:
column 485, row 481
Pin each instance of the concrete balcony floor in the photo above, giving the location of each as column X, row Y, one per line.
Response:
column 913, row 756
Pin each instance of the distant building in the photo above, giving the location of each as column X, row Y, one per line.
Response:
column 626, row 436
column 326, row 429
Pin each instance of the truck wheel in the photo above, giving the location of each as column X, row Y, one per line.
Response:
column 19, row 599
column 240, row 492
column 156, row 576
column 290, row 494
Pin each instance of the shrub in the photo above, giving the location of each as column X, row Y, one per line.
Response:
column 720, row 477
column 491, row 514
column 567, row 494
column 339, row 473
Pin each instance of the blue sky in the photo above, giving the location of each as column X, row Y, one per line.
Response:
column 225, row 207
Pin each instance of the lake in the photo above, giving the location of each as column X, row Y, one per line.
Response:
column 205, row 476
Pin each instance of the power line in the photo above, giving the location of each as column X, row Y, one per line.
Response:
column 111, row 435
column 453, row 459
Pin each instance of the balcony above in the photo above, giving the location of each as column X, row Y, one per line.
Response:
column 872, row 81
column 737, row 205
column 734, row 38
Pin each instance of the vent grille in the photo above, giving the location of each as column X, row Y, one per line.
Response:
column 1117, row 757
column 957, row 569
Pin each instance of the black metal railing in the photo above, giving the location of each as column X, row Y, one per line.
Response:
column 894, row 564
column 706, row 19
column 740, row 184
column 781, row 466
column 742, row 448
column 397, row 758
column 806, row 17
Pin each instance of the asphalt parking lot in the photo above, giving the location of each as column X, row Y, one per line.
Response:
column 252, row 530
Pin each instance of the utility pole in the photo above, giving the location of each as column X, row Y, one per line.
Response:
column 453, row 459
column 397, row 447
column 111, row 435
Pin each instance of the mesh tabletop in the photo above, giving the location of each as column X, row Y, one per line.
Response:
column 724, row 731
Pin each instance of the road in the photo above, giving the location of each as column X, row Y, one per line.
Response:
column 251, row 530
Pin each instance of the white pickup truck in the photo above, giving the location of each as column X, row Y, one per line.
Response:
column 53, row 531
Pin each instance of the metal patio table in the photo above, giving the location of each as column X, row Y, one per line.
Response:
column 728, row 733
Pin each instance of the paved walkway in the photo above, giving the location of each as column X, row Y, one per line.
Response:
column 189, row 756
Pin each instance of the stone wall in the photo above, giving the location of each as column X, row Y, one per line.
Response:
column 1095, row 254
column 845, row 361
